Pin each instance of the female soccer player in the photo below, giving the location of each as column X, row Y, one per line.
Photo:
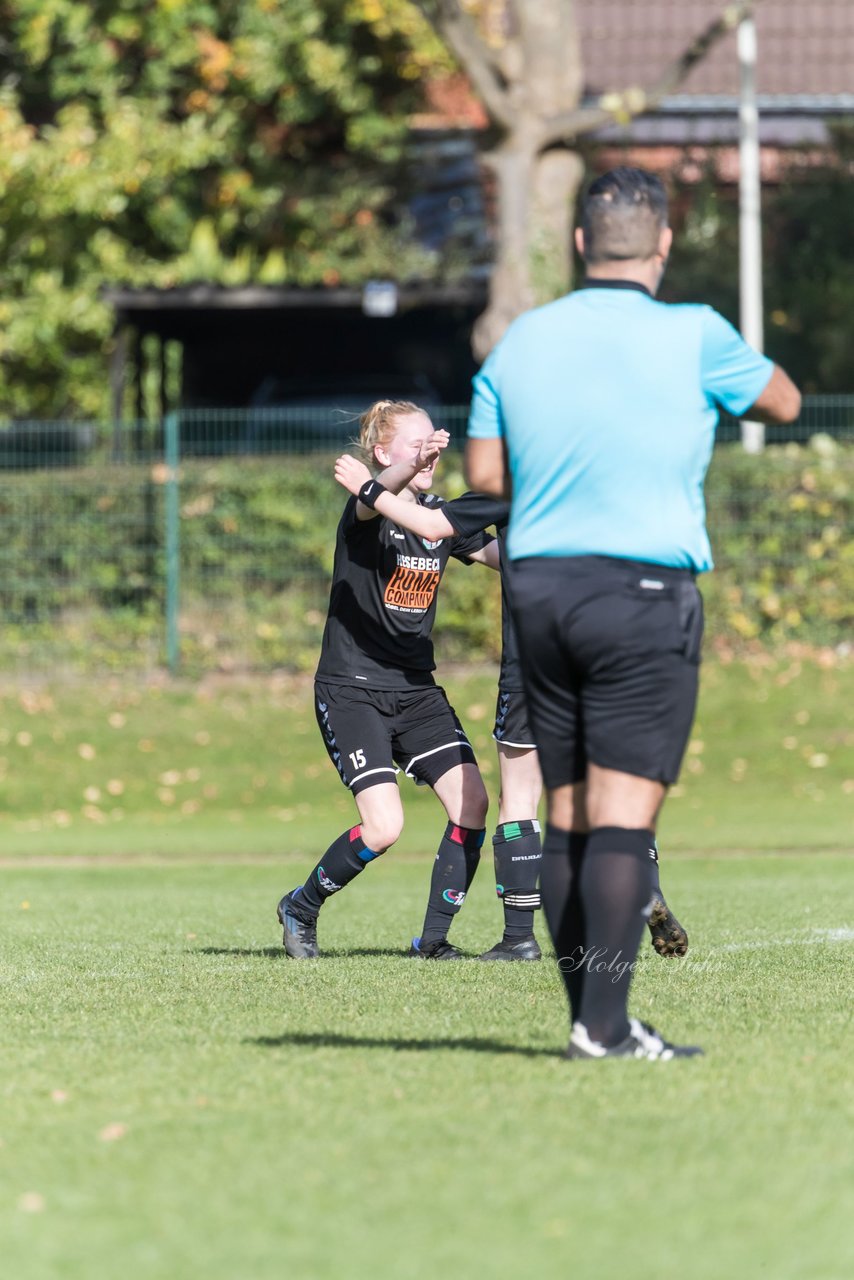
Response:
column 516, row 843
column 376, row 701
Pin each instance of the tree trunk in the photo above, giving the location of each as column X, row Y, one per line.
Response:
column 536, row 195
column 524, row 60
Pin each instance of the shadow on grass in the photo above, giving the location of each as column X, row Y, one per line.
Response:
column 330, row 1040
column 269, row 953
column 262, row 953
column 341, row 953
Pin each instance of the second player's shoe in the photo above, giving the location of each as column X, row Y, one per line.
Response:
column 643, row 1041
column 440, row 950
column 668, row 936
column 521, row 949
column 299, row 929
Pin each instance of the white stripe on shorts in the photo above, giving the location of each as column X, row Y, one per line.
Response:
column 458, row 742
column 366, row 773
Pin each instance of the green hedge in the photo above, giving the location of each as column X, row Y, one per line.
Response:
column 82, row 566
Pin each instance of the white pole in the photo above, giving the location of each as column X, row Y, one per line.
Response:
column 750, row 219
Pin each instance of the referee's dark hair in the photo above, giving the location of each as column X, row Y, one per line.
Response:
column 623, row 215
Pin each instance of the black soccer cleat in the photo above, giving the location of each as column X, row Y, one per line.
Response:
column 643, row 1041
column 440, row 950
column 668, row 936
column 300, row 931
column 521, row 949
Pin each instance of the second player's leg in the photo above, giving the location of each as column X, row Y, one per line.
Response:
column 517, row 852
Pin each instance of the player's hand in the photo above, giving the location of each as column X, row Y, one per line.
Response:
column 351, row 473
column 430, row 448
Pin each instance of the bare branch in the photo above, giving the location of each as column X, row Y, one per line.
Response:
column 623, row 105
column 479, row 62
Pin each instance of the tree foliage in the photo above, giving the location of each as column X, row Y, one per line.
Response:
column 166, row 142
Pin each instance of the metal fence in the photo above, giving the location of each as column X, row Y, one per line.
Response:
column 204, row 542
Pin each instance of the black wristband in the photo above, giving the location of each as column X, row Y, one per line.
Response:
column 369, row 493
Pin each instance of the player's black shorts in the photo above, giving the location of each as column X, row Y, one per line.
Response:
column 369, row 731
column 611, row 653
column 512, row 726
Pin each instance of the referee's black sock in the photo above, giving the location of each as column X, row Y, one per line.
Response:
column 563, row 855
column 453, row 872
column 345, row 858
column 518, row 853
column 616, row 881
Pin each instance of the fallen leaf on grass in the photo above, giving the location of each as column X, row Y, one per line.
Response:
column 31, row 1202
column 113, row 1132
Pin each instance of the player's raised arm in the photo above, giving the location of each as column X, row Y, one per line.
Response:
column 354, row 475
column 427, row 523
column 396, row 477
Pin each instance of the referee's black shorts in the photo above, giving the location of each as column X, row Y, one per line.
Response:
column 610, row 658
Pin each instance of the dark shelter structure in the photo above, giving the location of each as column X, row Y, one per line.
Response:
column 268, row 346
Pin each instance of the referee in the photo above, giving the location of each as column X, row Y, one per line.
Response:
column 599, row 412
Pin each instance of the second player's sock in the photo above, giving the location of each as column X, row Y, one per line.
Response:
column 345, row 858
column 518, row 853
column 453, row 871
column 616, row 880
column 656, row 870
column 563, row 855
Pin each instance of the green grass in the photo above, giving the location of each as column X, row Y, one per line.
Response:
column 178, row 1100
column 236, row 767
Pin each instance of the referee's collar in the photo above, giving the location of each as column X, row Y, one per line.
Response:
column 595, row 282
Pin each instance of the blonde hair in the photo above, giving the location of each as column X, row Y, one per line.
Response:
column 378, row 425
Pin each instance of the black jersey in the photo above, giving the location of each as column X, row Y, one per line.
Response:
column 467, row 514
column 383, row 600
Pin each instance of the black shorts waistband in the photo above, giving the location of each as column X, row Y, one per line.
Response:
column 615, row 565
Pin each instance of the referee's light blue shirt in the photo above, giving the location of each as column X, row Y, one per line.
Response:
column 608, row 402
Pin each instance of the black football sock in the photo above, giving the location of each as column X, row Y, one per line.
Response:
column 345, row 858
column 518, row 853
column 563, row 855
column 656, row 870
column 616, row 880
column 453, row 872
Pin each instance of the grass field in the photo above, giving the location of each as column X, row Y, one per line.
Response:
column 237, row 767
column 178, row 1100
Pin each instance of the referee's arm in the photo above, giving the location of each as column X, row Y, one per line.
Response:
column 485, row 461
column 486, row 467
column 778, row 404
